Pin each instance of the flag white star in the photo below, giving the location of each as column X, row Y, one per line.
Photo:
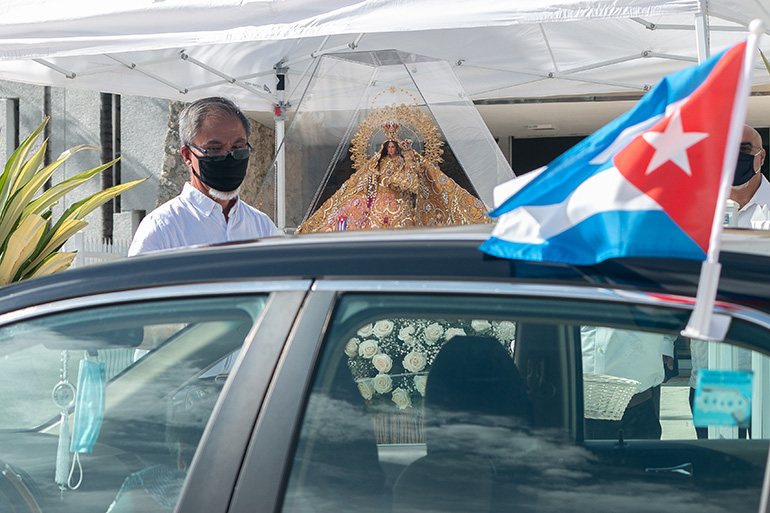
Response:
column 672, row 145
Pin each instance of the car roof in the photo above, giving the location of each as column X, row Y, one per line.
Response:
column 428, row 254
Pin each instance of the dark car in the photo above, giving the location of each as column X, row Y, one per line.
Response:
column 378, row 372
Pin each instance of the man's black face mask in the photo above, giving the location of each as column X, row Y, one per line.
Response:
column 222, row 175
column 744, row 170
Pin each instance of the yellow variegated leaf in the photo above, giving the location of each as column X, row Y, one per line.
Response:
column 95, row 201
column 30, row 167
column 15, row 163
column 21, row 202
column 63, row 232
column 29, row 237
column 764, row 59
column 52, row 195
column 55, row 263
column 21, row 245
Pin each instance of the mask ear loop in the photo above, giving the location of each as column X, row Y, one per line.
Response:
column 75, row 461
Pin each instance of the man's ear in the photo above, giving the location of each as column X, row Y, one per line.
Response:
column 762, row 157
column 184, row 151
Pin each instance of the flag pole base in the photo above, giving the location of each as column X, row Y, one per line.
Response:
column 703, row 323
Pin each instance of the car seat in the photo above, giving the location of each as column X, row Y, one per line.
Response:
column 474, row 395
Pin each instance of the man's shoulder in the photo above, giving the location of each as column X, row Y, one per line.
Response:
column 762, row 196
column 174, row 207
column 256, row 218
column 248, row 210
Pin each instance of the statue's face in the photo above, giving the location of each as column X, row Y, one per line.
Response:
column 392, row 149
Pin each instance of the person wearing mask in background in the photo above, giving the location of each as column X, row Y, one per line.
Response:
column 215, row 145
column 750, row 189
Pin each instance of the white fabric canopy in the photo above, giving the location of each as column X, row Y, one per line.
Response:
column 500, row 49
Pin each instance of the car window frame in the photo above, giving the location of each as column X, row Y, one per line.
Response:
column 265, row 485
column 284, row 299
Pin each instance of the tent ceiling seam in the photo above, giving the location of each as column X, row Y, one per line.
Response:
column 134, row 67
column 68, row 74
column 310, row 65
column 548, row 45
column 227, row 78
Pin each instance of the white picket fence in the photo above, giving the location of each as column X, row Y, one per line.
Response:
column 91, row 250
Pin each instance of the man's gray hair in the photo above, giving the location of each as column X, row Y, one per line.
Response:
column 192, row 116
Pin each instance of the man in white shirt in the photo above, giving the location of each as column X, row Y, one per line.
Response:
column 215, row 145
column 750, row 189
column 636, row 355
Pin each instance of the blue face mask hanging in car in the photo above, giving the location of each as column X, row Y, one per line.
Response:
column 89, row 407
column 89, row 413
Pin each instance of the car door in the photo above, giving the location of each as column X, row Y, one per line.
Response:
column 106, row 398
column 462, row 396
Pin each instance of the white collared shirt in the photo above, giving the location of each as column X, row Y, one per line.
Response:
column 626, row 354
column 192, row 218
column 761, row 198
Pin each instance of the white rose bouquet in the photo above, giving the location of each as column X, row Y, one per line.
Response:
column 390, row 359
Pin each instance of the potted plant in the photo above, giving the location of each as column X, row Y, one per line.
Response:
column 30, row 239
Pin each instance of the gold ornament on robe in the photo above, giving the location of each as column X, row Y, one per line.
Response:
column 404, row 190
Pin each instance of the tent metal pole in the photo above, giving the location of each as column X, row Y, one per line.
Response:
column 702, row 36
column 280, row 175
column 280, row 150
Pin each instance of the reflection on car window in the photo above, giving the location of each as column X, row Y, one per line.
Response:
column 458, row 403
column 104, row 407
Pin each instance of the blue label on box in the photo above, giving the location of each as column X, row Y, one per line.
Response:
column 722, row 398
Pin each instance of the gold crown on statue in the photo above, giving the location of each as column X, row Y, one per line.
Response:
column 391, row 131
column 406, row 144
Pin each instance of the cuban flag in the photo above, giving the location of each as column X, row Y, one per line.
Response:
column 649, row 184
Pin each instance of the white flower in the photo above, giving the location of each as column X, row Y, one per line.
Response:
column 366, row 389
column 454, row 332
column 383, row 328
column 480, row 325
column 382, row 383
column 365, row 331
column 433, row 333
column 351, row 348
column 506, row 331
column 368, row 348
column 382, row 362
column 415, row 361
column 401, row 398
column 406, row 335
column 419, row 383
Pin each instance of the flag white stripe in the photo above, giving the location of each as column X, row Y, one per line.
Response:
column 607, row 191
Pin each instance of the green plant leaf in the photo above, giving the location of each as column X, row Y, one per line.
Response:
column 54, row 240
column 50, row 197
column 85, row 206
column 53, row 264
column 764, row 59
column 29, row 168
column 29, row 237
column 19, row 205
column 21, row 245
column 14, row 164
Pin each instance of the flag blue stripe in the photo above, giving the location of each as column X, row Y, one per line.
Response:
column 564, row 174
column 605, row 235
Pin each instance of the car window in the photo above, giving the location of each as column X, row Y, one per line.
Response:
column 103, row 407
column 474, row 403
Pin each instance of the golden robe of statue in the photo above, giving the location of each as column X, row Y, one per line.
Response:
column 396, row 189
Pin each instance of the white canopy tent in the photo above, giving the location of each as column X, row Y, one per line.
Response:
column 500, row 49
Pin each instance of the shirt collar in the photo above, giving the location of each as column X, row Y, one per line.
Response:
column 761, row 195
column 198, row 200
